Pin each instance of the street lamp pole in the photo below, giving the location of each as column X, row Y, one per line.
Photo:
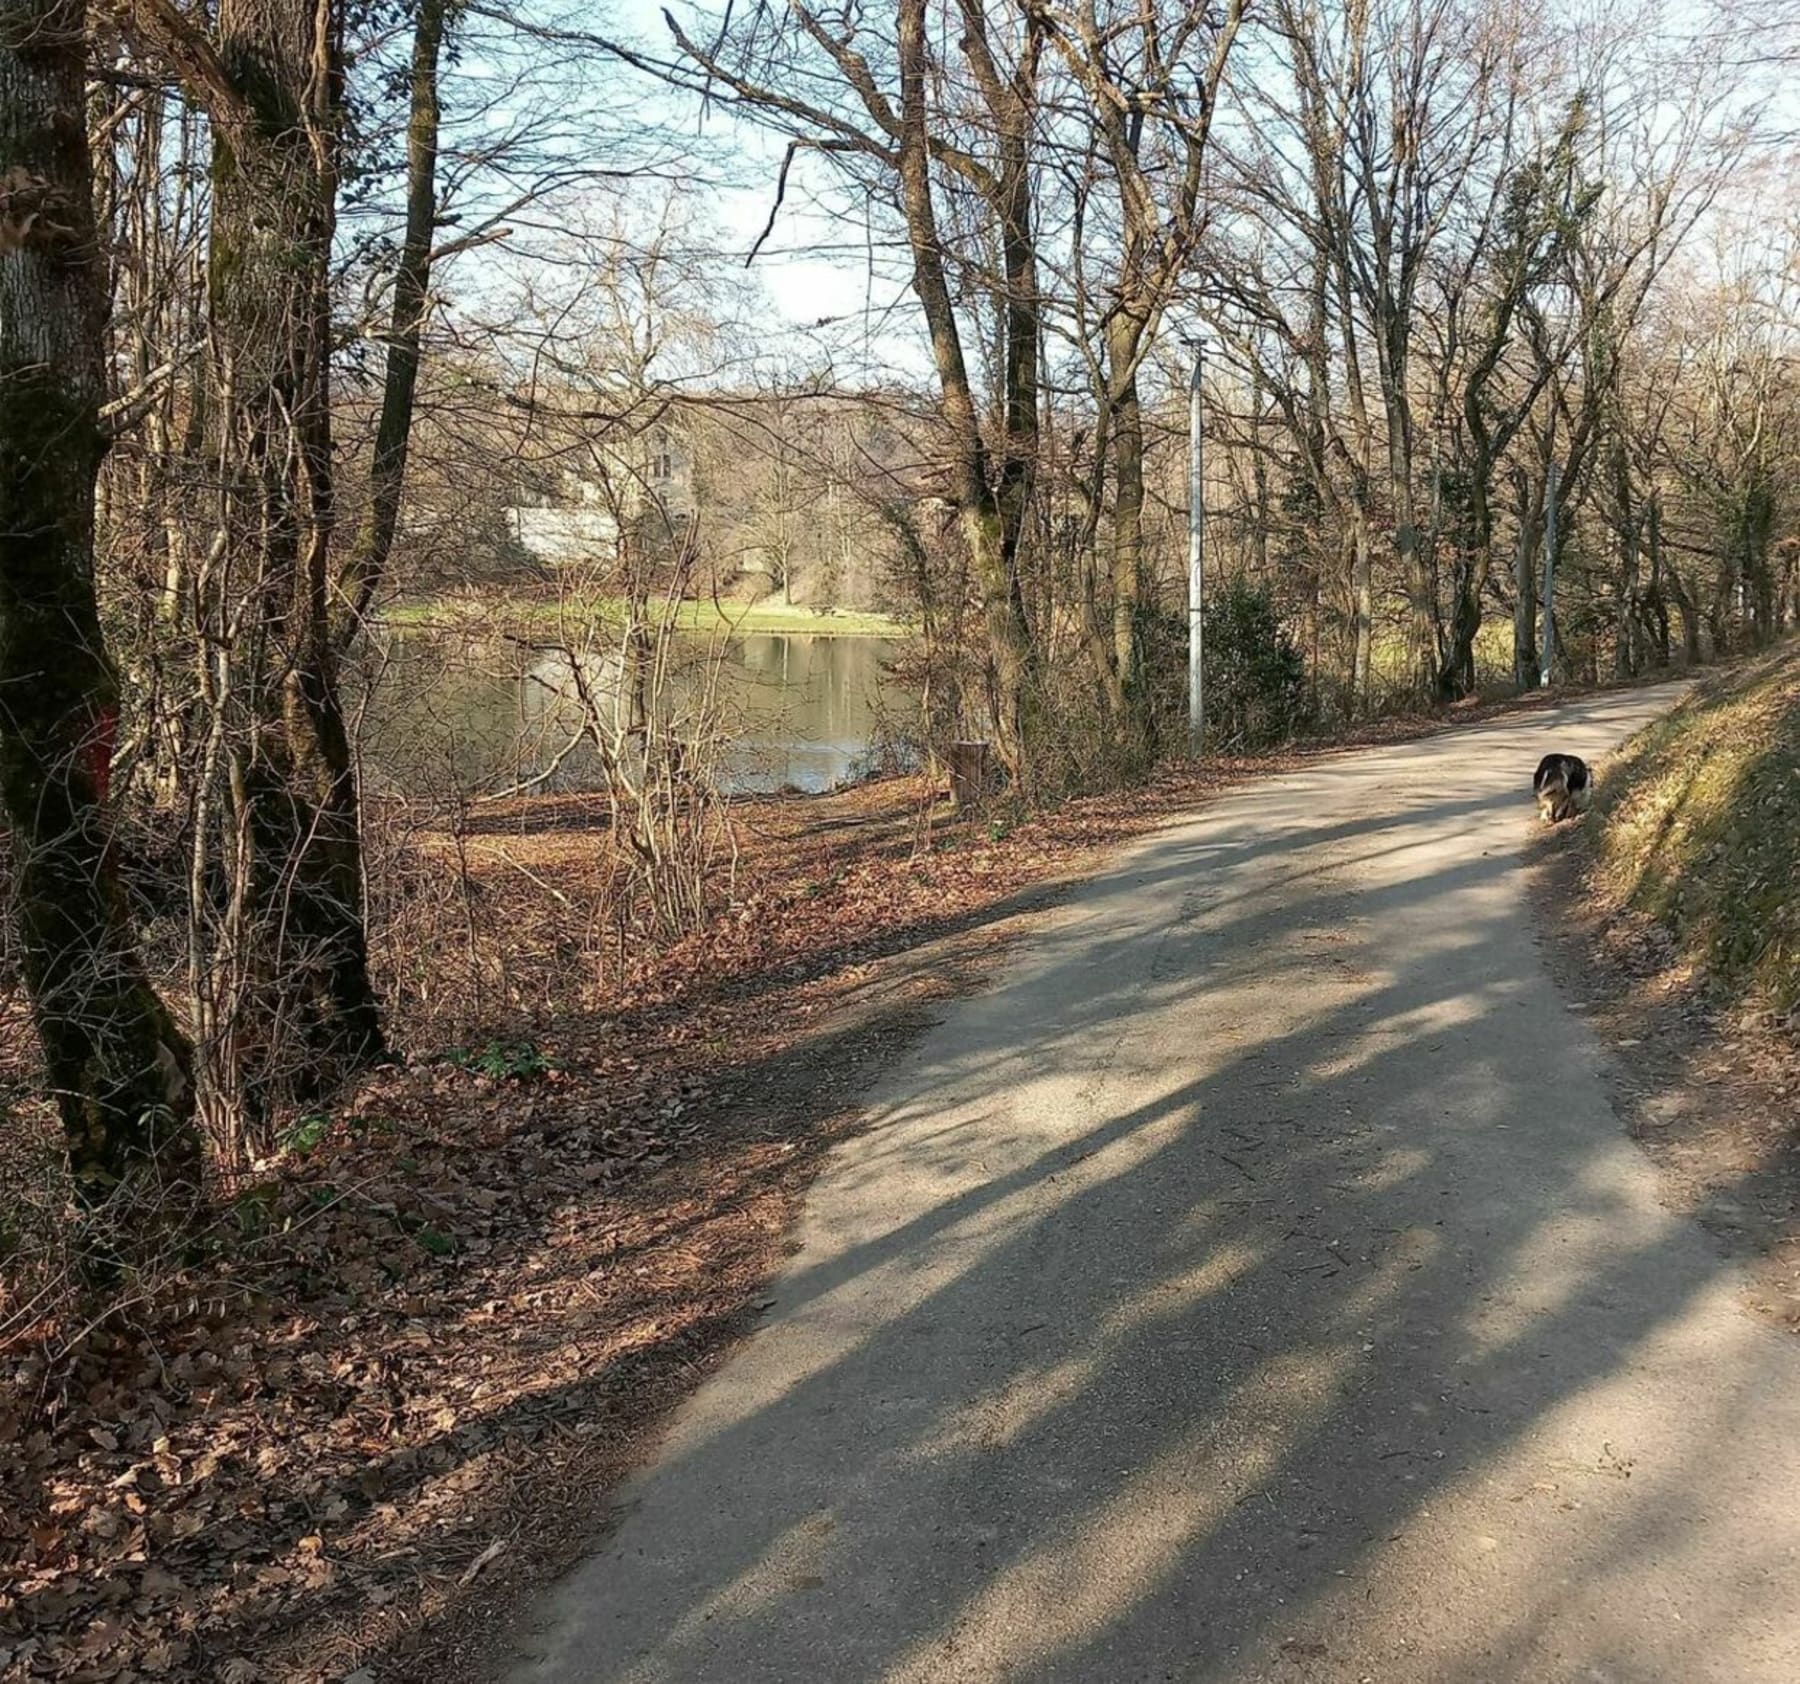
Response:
column 1549, row 638
column 1196, row 560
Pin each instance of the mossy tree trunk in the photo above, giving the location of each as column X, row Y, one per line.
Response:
column 1124, row 342
column 992, row 504
column 1528, row 500
column 274, row 216
column 117, row 1063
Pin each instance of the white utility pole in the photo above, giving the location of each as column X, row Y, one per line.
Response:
column 1549, row 638
column 1196, row 562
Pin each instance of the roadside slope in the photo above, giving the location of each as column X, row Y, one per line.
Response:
column 1673, row 913
column 1698, row 826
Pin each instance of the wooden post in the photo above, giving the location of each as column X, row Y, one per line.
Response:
column 968, row 773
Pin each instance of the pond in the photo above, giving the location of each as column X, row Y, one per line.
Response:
column 480, row 714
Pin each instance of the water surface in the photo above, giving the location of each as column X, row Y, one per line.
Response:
column 481, row 713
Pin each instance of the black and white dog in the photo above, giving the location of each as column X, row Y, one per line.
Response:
column 1564, row 786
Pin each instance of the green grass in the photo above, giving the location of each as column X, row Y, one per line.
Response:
column 1699, row 826
column 740, row 619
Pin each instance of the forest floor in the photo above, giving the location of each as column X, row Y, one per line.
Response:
column 334, row 1441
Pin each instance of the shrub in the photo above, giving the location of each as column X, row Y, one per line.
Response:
column 1256, row 692
column 1255, row 672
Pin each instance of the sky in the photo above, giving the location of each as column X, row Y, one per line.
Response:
column 817, row 294
column 815, row 268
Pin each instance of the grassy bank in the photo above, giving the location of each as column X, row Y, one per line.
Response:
column 1699, row 827
column 737, row 618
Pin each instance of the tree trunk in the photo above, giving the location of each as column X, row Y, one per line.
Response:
column 1759, row 576
column 1456, row 673
column 1552, row 657
column 1415, row 565
column 1360, row 457
column 1655, row 598
column 1627, row 657
column 412, row 288
column 1096, row 638
column 1363, row 589
column 1127, row 535
column 989, row 517
column 968, row 773
column 1128, row 527
column 117, row 1064
column 1525, row 604
column 274, row 217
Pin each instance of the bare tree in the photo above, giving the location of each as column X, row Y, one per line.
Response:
column 115, row 1061
column 1537, row 206
column 877, row 106
column 374, row 544
column 1148, row 79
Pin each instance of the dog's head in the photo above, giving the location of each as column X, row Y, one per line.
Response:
column 1562, row 785
column 1553, row 769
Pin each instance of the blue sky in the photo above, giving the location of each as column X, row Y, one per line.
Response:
column 817, row 292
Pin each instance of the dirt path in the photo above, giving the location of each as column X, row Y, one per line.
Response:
column 1256, row 1284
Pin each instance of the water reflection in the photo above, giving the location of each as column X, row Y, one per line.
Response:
column 799, row 711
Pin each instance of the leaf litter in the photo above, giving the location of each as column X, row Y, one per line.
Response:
column 416, row 1348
